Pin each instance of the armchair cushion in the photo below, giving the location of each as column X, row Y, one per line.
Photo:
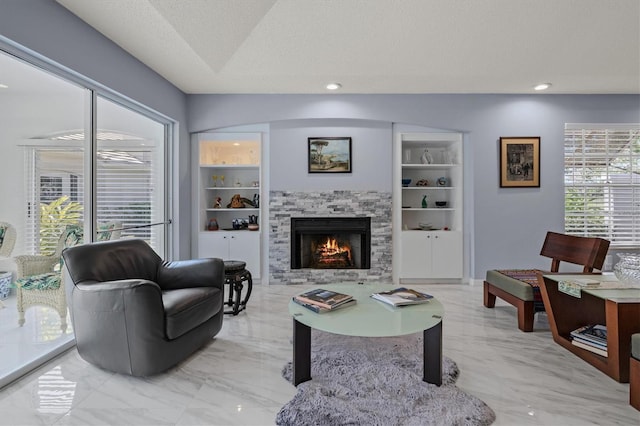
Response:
column 187, row 308
column 47, row 281
column 3, row 230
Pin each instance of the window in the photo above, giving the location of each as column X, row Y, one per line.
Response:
column 602, row 182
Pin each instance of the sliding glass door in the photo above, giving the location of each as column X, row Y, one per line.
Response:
column 72, row 158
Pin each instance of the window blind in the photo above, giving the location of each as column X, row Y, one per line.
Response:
column 51, row 173
column 602, row 182
column 125, row 185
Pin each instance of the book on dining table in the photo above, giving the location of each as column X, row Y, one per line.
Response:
column 402, row 296
column 319, row 309
column 327, row 299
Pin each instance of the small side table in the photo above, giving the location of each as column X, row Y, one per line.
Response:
column 235, row 274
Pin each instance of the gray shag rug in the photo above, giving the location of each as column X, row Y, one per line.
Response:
column 377, row 381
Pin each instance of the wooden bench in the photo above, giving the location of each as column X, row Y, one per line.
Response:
column 514, row 287
column 634, row 372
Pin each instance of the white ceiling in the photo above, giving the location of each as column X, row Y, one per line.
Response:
column 378, row 46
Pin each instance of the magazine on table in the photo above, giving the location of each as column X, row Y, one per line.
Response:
column 402, row 296
column 594, row 333
column 324, row 298
column 319, row 309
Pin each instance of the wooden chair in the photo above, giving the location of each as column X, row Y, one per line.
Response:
column 519, row 287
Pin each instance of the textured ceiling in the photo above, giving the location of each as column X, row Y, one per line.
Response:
column 378, row 46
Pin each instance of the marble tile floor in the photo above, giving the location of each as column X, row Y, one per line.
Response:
column 526, row 378
column 22, row 346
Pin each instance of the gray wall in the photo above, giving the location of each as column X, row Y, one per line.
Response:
column 371, row 155
column 50, row 30
column 507, row 225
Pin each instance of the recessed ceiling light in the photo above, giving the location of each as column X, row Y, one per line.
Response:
column 3, row 86
column 542, row 86
column 333, row 86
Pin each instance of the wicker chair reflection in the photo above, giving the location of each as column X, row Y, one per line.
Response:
column 7, row 239
column 7, row 242
column 40, row 279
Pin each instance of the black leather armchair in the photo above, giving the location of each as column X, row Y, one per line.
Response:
column 135, row 314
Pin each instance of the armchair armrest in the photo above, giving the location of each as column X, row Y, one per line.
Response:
column 191, row 273
column 35, row 264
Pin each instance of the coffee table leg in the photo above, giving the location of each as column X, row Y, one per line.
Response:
column 432, row 353
column 301, row 353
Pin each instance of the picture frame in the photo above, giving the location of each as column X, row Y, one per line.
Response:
column 520, row 162
column 329, row 155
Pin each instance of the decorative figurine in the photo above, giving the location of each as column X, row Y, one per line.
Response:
column 426, row 158
column 424, row 202
column 218, row 203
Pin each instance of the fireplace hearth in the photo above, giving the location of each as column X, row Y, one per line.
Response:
column 331, row 243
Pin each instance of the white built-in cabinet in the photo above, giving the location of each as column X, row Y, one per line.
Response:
column 428, row 211
column 227, row 164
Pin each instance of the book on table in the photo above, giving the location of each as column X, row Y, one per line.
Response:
column 319, row 309
column 327, row 299
column 590, row 347
column 584, row 282
column 595, row 333
column 402, row 296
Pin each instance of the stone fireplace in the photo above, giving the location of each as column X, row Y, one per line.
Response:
column 330, row 242
column 371, row 208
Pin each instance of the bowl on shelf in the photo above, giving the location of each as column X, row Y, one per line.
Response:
column 426, row 226
column 441, row 204
column 406, row 182
column 253, row 227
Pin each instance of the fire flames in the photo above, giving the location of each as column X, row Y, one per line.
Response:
column 331, row 253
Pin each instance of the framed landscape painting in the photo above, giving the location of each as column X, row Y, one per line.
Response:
column 329, row 155
column 519, row 162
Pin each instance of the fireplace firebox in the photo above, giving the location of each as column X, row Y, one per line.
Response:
column 331, row 243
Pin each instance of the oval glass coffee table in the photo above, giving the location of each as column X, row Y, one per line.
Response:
column 369, row 318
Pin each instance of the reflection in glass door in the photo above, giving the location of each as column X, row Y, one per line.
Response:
column 130, row 177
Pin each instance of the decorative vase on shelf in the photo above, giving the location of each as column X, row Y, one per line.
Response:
column 424, row 202
column 407, row 156
column 212, row 225
column 446, row 157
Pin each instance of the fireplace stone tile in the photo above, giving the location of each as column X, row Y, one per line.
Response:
column 283, row 205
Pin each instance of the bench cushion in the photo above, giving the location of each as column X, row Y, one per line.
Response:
column 635, row 346
column 521, row 283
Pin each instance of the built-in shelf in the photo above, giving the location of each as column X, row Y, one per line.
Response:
column 236, row 157
column 437, row 253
